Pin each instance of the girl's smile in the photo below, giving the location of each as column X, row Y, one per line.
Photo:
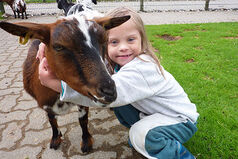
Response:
column 124, row 43
column 124, row 56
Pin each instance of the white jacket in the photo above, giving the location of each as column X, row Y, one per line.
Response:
column 141, row 84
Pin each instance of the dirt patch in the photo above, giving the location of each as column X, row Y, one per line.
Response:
column 190, row 60
column 169, row 37
column 236, row 37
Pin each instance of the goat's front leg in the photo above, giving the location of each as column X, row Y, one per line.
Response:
column 22, row 15
column 25, row 15
column 18, row 14
column 56, row 138
column 15, row 14
column 87, row 140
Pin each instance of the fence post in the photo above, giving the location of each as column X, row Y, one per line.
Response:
column 2, row 8
column 207, row 5
column 142, row 5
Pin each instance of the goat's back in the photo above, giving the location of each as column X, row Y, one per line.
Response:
column 42, row 94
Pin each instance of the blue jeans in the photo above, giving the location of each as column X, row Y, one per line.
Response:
column 127, row 115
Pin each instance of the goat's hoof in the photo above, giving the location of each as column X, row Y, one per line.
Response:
column 86, row 149
column 55, row 143
column 87, row 146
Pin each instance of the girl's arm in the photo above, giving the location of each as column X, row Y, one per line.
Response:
column 131, row 86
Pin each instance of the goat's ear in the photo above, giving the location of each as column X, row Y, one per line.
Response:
column 28, row 30
column 109, row 22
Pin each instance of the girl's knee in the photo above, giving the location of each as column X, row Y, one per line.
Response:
column 158, row 145
column 137, row 139
column 137, row 135
column 152, row 144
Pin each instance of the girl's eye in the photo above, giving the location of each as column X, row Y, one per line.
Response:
column 113, row 42
column 58, row 47
column 131, row 39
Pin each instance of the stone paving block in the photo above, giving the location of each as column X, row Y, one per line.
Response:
column 9, row 91
column 97, row 155
column 26, row 105
column 54, row 154
column 21, row 153
column 3, row 68
column 15, row 69
column 5, row 83
column 37, row 119
column 17, row 84
column 11, row 135
column 8, row 102
column 127, row 152
column 35, row 138
column 8, row 74
column 98, row 114
column 111, row 139
column 25, row 96
column 106, row 125
column 17, row 64
column 13, row 116
column 19, row 77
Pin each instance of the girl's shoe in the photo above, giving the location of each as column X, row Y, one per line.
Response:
column 184, row 153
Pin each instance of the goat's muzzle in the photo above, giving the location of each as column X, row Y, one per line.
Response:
column 106, row 92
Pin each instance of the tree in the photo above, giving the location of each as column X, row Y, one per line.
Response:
column 207, row 5
column 2, row 8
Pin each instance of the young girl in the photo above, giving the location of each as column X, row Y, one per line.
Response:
column 150, row 101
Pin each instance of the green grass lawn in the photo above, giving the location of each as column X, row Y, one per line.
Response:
column 204, row 60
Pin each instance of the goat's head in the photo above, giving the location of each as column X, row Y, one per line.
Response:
column 74, row 49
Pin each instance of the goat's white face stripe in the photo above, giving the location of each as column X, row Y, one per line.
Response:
column 84, row 27
column 83, row 24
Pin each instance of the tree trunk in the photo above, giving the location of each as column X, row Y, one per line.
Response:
column 207, row 5
column 2, row 8
column 142, row 5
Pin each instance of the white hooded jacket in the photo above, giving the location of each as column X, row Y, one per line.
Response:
column 141, row 84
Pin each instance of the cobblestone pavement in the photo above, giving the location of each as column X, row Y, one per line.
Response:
column 24, row 129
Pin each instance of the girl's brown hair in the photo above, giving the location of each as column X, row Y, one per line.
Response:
column 146, row 47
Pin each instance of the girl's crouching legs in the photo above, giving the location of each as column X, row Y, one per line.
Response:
column 160, row 141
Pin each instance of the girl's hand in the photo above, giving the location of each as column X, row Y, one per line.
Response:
column 47, row 77
column 41, row 51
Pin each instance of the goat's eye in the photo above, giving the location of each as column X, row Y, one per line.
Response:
column 58, row 47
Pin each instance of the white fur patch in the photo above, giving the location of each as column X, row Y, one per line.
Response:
column 61, row 107
column 81, row 113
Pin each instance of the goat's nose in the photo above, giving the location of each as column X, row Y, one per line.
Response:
column 108, row 91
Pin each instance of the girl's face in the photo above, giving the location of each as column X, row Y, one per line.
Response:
column 124, row 43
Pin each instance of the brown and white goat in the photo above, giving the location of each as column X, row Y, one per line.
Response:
column 18, row 6
column 74, row 46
